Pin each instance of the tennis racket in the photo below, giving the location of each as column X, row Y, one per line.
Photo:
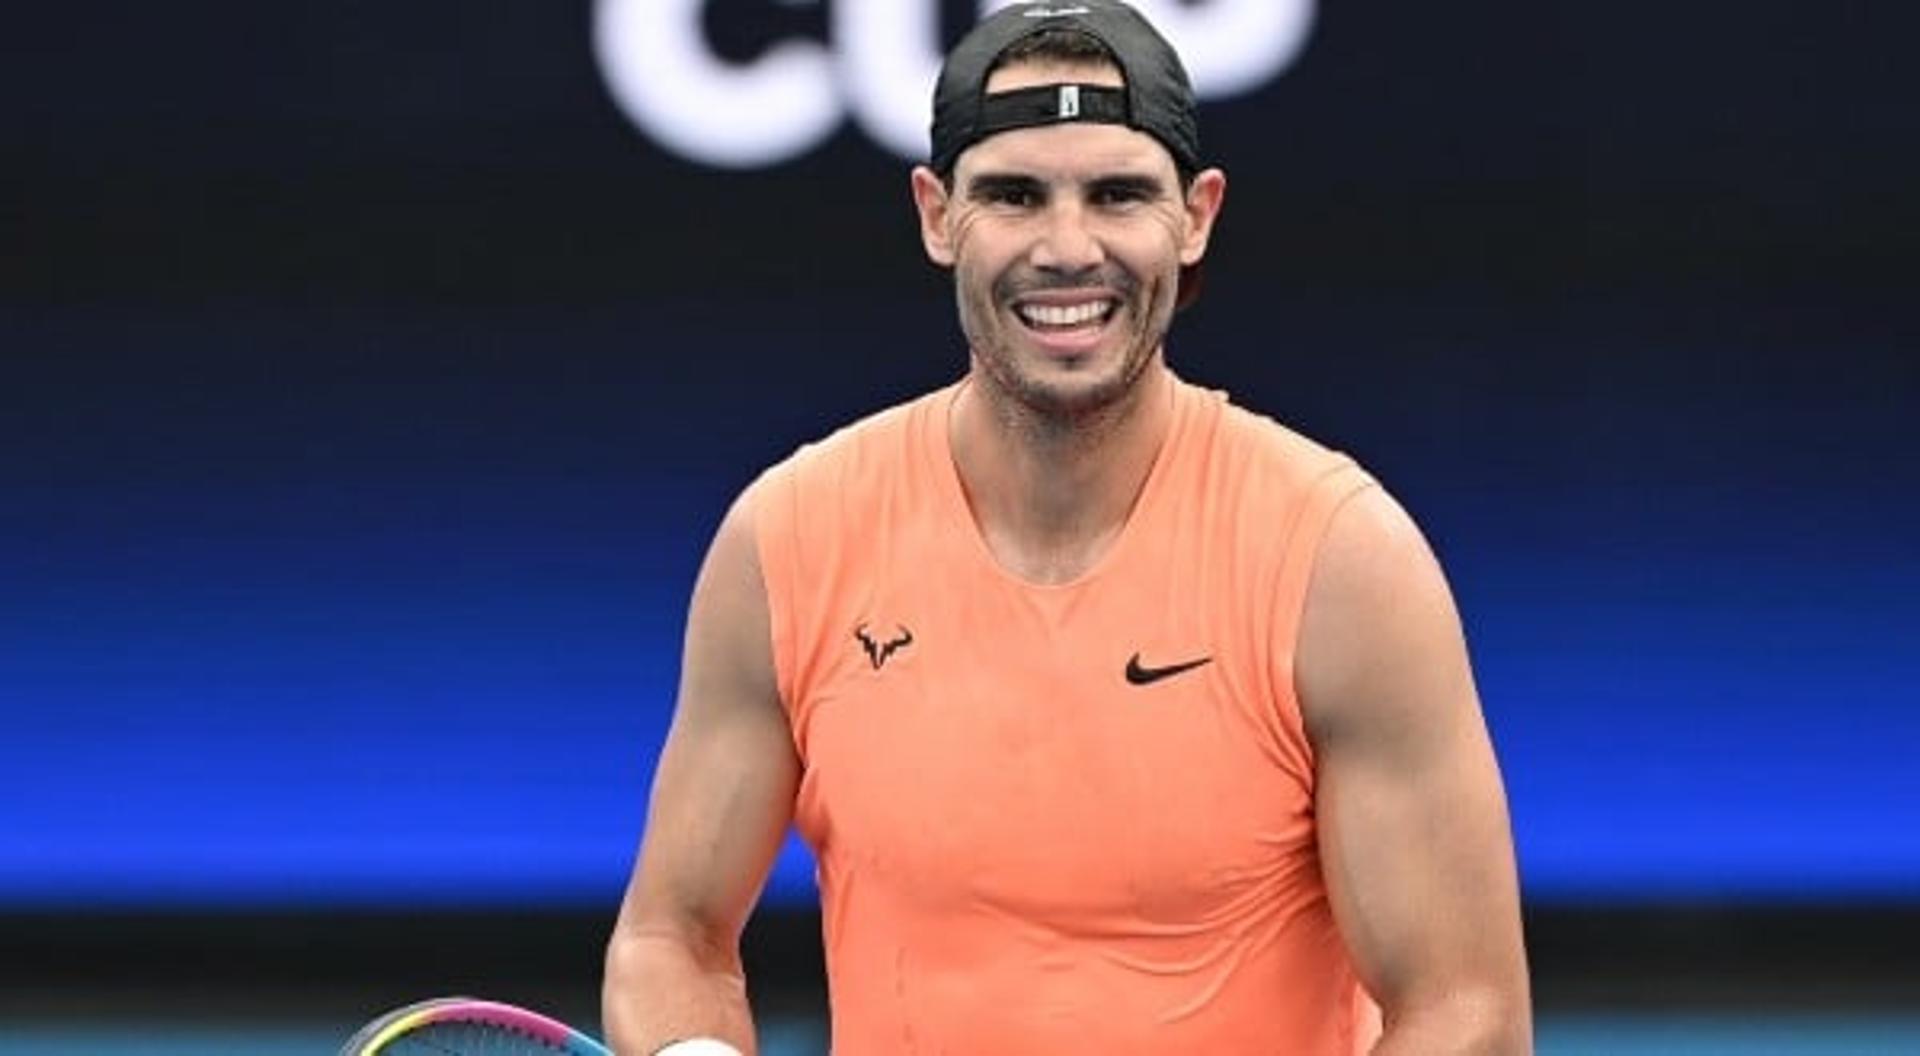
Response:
column 464, row 1026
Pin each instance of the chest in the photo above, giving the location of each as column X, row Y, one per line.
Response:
column 1058, row 754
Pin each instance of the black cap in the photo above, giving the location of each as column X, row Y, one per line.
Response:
column 1157, row 99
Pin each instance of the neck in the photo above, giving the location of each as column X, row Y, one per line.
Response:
column 1051, row 494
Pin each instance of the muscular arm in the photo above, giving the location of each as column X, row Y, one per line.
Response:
column 1414, row 837
column 722, row 799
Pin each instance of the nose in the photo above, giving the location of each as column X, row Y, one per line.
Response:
column 1067, row 243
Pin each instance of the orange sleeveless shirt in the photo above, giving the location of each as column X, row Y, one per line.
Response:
column 1043, row 824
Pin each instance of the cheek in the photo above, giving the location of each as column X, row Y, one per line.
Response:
column 958, row 229
column 978, row 263
column 1173, row 228
column 964, row 234
column 1148, row 247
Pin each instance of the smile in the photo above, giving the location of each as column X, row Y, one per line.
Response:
column 1067, row 316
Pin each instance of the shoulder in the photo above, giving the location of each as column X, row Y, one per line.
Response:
column 1379, row 621
column 821, row 520
column 1376, row 624
column 1373, row 552
column 834, row 492
column 1240, row 439
column 1284, row 485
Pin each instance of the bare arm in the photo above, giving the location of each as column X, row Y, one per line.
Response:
column 1414, row 836
column 722, row 799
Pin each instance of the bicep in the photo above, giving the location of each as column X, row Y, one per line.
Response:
column 1414, row 836
column 723, row 793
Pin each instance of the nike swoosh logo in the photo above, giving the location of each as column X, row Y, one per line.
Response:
column 1142, row 676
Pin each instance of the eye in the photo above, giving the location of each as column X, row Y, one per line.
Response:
column 1114, row 195
column 1015, row 197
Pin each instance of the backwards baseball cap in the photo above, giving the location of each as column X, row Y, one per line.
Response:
column 1157, row 98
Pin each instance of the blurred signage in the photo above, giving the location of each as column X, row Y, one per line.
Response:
column 878, row 69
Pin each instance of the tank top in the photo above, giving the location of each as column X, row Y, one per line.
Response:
column 1061, row 818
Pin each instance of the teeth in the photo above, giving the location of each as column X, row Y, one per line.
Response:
column 1063, row 314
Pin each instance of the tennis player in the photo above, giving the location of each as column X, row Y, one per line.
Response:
column 1121, row 719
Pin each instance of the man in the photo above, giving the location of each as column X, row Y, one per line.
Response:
column 1119, row 719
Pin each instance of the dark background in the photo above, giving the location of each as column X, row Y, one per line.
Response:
column 369, row 386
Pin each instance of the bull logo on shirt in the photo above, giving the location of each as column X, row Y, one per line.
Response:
column 877, row 651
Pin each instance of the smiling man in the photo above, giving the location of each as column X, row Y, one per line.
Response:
column 1120, row 719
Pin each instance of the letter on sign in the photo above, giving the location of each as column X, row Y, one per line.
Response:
column 885, row 54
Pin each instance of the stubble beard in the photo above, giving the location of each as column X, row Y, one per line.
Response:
column 1034, row 404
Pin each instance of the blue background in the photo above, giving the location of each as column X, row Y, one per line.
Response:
column 369, row 389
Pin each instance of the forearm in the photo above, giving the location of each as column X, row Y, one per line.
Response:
column 1459, row 1025
column 662, row 986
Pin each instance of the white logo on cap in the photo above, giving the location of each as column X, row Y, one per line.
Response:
column 1055, row 12
column 1069, row 101
column 876, row 64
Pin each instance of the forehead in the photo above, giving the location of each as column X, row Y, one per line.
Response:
column 1067, row 152
column 1073, row 149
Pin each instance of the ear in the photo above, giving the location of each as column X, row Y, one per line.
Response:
column 930, row 198
column 1204, row 198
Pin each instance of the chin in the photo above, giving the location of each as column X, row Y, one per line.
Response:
column 1066, row 396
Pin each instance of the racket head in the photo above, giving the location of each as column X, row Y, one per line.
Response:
column 456, row 1025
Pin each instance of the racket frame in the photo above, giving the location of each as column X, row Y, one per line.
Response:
column 370, row 1039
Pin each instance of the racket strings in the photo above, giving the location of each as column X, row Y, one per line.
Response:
column 468, row 1039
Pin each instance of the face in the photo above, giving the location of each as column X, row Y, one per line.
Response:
column 1066, row 243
